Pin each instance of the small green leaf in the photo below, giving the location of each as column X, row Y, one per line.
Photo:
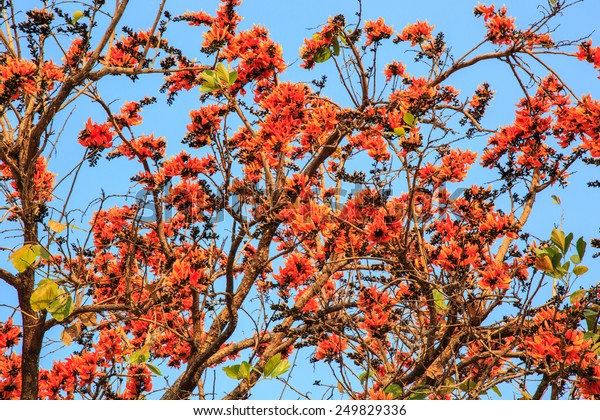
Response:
column 409, row 119
column 497, row 391
column 575, row 259
column 394, row 389
column 400, row 131
column 439, row 299
column 568, row 240
column 282, row 367
column 558, row 238
column 78, row 14
column 364, row 377
column 56, row 226
column 577, row 295
column 591, row 319
column 232, row 371
column 222, row 72
column 46, row 292
column 581, row 247
column 580, row 270
column 154, row 369
column 138, row 357
column 244, row 370
column 24, row 257
column 419, row 393
column 271, row 365
column 336, row 46
column 233, row 77
column 40, row 251
column 467, row 386
column 207, row 88
column 449, row 386
column 208, row 75
column 556, row 258
column 526, row 395
column 322, row 55
column 61, row 307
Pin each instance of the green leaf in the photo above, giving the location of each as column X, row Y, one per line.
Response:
column 556, row 258
column 40, row 251
column 363, row 377
column 222, row 72
column 24, row 257
column 409, row 119
column 282, row 367
column 271, row 365
column 56, row 226
column 61, row 307
column 568, row 240
column 336, row 46
column 244, row 370
column 526, row 395
column 400, row 131
column 138, row 357
column 591, row 319
column 467, row 386
column 449, row 385
column 556, row 199
column 581, row 244
column 577, row 295
column 154, row 369
column 394, row 389
column 207, row 88
column 580, row 270
column 322, row 55
column 210, row 83
column 497, row 391
column 439, row 299
column 78, row 14
column 46, row 292
column 233, row 77
column 419, row 393
column 208, row 75
column 558, row 238
column 232, row 371
column 575, row 259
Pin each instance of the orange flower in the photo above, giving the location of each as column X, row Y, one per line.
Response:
column 96, row 135
column 331, row 347
column 376, row 31
column 495, row 276
column 17, row 76
column 417, row 33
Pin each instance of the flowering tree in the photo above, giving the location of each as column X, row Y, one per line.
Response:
column 402, row 288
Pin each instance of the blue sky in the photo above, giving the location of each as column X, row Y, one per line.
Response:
column 290, row 22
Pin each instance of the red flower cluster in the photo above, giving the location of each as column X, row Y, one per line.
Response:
column 394, row 69
column 377, row 30
column 501, row 29
column 17, row 75
column 331, row 347
column 96, row 136
column 416, row 33
column 590, row 54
